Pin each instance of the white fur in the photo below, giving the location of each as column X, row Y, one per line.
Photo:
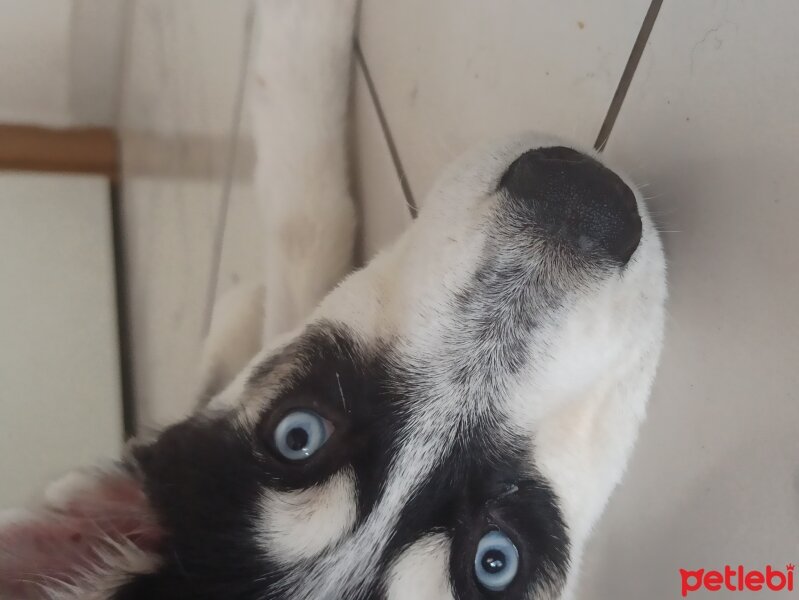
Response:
column 298, row 525
column 58, row 494
column 421, row 571
column 115, row 564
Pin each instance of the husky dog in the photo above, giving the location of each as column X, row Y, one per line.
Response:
column 447, row 422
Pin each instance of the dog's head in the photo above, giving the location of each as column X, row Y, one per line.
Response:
column 448, row 424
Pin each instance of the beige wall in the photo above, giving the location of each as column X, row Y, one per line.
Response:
column 60, row 60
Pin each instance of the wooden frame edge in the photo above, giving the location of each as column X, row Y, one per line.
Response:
column 90, row 150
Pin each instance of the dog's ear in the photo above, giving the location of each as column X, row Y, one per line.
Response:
column 93, row 531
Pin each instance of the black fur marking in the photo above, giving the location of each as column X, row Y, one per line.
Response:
column 202, row 477
column 350, row 386
column 205, row 478
column 479, row 488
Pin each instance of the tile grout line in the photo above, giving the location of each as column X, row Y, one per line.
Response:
column 230, row 166
column 125, row 352
column 389, row 139
column 627, row 75
column 122, row 288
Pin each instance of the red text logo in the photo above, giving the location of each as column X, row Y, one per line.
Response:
column 737, row 580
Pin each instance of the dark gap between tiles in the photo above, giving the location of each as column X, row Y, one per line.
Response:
column 121, row 291
column 392, row 147
column 230, row 169
column 627, row 75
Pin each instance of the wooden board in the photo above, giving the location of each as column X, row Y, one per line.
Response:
column 74, row 150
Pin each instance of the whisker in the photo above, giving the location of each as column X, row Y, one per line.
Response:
column 341, row 393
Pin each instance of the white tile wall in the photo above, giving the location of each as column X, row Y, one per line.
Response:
column 382, row 205
column 451, row 73
column 180, row 97
column 181, row 194
column 60, row 404
column 59, row 61
column 34, row 61
column 241, row 244
column 97, row 40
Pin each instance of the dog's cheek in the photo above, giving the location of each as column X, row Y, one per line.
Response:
column 298, row 525
column 421, row 572
column 93, row 529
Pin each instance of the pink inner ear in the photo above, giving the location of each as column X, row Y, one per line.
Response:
column 91, row 522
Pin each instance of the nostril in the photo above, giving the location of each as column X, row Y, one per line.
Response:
column 573, row 198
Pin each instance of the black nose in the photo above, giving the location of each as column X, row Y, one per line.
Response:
column 575, row 199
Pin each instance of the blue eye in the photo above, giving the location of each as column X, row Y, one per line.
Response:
column 300, row 434
column 496, row 561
